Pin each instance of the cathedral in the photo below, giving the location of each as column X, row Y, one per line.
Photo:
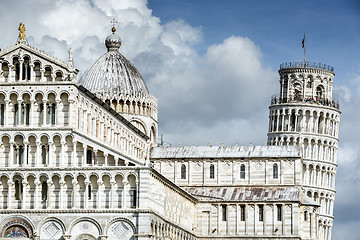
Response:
column 79, row 158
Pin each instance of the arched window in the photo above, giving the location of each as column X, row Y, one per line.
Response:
column 25, row 114
column 242, row 214
column 212, row 171
column 17, row 71
column 133, row 198
column 293, row 119
column 183, row 171
column 309, row 84
column 261, row 213
column 41, row 113
column 18, row 190
column 89, row 192
column 242, row 171
column 50, row 113
column 44, row 151
column 224, row 212
column 275, row 171
column 2, row 114
column 305, row 215
column 319, row 92
column 89, row 157
column 44, row 190
column 16, row 114
column 279, row 212
column 19, row 152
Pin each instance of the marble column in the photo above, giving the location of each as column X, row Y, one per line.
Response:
column 72, row 119
column 53, row 75
column 11, row 185
column 75, row 189
column 125, row 194
column 36, row 193
column 61, row 193
column 62, row 153
column 57, row 106
column 106, row 155
column 26, row 72
column 26, row 187
column 51, row 161
column 99, row 194
column 296, row 122
column 32, row 76
column 219, row 219
column 7, row 106
column 86, row 198
column 18, row 122
column 112, row 190
column 84, row 160
column 50, row 185
column 94, row 160
column 25, row 160
column 11, row 157
column 74, row 160
column 44, row 113
column 21, row 62
column 42, row 75
column 38, row 161
column 11, row 73
column 1, row 72
column 32, row 106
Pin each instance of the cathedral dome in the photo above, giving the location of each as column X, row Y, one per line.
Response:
column 112, row 74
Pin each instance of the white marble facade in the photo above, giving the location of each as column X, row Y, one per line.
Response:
column 79, row 163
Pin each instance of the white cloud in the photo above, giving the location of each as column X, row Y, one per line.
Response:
column 347, row 154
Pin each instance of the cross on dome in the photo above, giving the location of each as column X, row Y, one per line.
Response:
column 113, row 22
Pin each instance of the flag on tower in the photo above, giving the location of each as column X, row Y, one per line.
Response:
column 303, row 41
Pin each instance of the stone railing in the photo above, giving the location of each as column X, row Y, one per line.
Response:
column 306, row 65
column 309, row 100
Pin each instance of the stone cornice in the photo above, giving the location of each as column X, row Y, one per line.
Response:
column 319, row 188
column 303, row 104
column 320, row 162
column 303, row 135
column 306, row 70
column 73, row 211
column 68, row 169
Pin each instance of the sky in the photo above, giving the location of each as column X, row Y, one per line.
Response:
column 213, row 65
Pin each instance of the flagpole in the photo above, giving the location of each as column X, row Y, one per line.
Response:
column 304, row 49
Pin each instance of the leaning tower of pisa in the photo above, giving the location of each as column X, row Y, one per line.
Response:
column 305, row 114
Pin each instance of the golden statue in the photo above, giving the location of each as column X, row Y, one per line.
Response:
column 21, row 32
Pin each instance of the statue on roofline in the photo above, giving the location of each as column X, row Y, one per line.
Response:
column 21, row 37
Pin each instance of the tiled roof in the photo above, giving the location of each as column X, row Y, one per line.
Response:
column 225, row 152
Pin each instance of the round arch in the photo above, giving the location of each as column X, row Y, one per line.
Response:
column 16, row 226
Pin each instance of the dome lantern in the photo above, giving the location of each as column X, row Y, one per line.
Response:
column 113, row 41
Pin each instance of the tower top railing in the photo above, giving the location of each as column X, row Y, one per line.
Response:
column 308, row 100
column 306, row 65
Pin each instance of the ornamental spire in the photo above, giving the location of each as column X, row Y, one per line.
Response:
column 113, row 41
column 113, row 22
column 21, row 37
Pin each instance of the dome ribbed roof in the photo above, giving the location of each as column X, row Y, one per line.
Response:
column 112, row 74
